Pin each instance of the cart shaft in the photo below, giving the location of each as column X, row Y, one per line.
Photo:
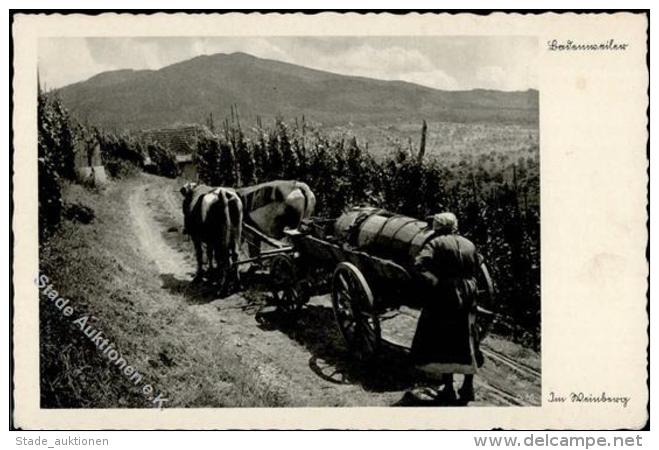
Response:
column 266, row 254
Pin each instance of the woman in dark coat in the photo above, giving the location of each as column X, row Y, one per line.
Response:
column 446, row 340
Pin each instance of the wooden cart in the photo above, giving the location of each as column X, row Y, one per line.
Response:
column 363, row 286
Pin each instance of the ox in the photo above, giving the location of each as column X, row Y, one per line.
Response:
column 276, row 205
column 213, row 216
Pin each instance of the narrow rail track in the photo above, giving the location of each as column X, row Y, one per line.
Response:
column 517, row 366
column 521, row 368
column 502, row 395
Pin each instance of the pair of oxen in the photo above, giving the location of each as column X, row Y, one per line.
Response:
column 213, row 216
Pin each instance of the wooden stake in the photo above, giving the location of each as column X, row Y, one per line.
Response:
column 422, row 146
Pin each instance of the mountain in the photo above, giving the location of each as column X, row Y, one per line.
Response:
column 188, row 91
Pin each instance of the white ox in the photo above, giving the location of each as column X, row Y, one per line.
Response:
column 276, row 205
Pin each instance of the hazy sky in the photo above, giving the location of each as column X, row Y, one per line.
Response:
column 453, row 63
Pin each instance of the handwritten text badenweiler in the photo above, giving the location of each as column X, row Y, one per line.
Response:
column 609, row 45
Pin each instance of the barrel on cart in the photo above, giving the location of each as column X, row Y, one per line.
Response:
column 370, row 254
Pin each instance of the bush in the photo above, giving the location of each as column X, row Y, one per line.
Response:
column 56, row 136
column 122, row 155
column 164, row 160
column 118, row 168
column 78, row 212
column 50, row 198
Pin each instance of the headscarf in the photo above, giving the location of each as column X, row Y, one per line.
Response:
column 445, row 223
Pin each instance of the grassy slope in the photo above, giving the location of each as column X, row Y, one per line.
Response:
column 104, row 274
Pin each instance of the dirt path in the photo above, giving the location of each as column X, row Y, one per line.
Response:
column 166, row 260
column 306, row 360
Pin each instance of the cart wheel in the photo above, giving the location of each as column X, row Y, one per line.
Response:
column 485, row 301
column 354, row 311
column 289, row 292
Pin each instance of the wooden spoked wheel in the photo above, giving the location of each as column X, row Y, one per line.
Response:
column 484, row 300
column 289, row 292
column 354, row 311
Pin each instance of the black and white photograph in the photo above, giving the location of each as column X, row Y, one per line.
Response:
column 289, row 221
column 242, row 216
